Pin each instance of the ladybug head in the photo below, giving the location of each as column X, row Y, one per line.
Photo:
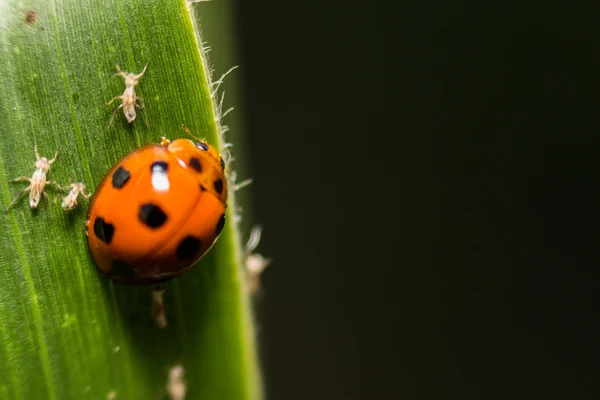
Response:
column 204, row 161
column 185, row 150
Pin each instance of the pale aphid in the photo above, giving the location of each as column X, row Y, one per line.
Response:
column 176, row 386
column 69, row 202
column 254, row 263
column 37, row 182
column 128, row 98
column 158, row 306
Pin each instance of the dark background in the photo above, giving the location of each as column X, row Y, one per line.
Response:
column 427, row 179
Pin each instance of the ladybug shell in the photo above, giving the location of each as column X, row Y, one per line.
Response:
column 157, row 211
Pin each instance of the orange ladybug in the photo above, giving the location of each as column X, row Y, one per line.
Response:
column 158, row 211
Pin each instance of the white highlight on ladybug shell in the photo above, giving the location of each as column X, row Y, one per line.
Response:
column 160, row 180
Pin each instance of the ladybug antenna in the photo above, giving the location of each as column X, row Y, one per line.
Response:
column 185, row 128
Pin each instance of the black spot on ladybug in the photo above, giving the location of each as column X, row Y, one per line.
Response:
column 195, row 163
column 159, row 166
column 220, row 225
column 218, row 186
column 188, row 248
column 152, row 215
column 121, row 268
column 120, row 177
column 202, row 146
column 103, row 230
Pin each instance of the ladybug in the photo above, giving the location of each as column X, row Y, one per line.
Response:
column 158, row 211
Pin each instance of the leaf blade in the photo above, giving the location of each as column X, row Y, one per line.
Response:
column 65, row 331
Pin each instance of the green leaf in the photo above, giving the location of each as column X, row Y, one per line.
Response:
column 67, row 332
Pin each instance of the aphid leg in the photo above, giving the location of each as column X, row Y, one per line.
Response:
column 37, row 156
column 142, row 106
column 254, row 239
column 21, row 193
column 21, row 179
column 56, row 185
column 54, row 158
column 47, row 205
column 114, row 98
column 120, row 73
column 113, row 115
column 143, row 113
column 138, row 76
column 87, row 196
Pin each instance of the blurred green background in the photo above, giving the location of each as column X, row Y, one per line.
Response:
column 426, row 177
